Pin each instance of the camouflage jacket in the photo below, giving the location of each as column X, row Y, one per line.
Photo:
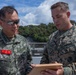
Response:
column 16, row 61
column 61, row 47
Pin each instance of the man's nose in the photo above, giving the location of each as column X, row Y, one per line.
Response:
column 15, row 25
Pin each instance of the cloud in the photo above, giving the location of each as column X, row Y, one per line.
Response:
column 36, row 12
column 42, row 14
column 26, row 9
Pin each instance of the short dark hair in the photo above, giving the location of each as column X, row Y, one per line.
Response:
column 7, row 9
column 64, row 6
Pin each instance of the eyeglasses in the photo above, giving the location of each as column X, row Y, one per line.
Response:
column 11, row 22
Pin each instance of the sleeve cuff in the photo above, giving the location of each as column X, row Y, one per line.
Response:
column 67, row 71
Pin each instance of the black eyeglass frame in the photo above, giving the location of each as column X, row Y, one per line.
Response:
column 11, row 22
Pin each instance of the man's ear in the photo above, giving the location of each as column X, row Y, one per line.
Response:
column 68, row 14
column 0, row 23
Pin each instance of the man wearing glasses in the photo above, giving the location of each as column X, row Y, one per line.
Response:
column 15, row 56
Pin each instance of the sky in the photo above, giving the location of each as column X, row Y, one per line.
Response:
column 35, row 12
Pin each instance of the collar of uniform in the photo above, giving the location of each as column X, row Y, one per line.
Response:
column 68, row 32
column 6, row 40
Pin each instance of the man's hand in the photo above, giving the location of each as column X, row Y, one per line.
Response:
column 59, row 71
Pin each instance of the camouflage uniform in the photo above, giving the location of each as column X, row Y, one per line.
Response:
column 61, row 47
column 17, row 63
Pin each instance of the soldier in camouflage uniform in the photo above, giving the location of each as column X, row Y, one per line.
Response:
column 15, row 55
column 61, row 46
